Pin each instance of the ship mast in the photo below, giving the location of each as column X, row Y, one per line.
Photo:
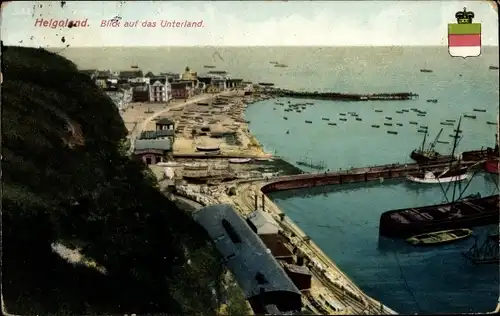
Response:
column 455, row 143
column 423, row 142
column 433, row 144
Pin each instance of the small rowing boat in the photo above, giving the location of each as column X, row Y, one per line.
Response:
column 440, row 237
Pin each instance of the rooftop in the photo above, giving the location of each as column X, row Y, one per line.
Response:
column 253, row 267
column 263, row 222
column 130, row 74
column 160, row 144
column 156, row 134
column 165, row 121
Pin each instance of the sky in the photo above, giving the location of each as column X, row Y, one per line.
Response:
column 245, row 23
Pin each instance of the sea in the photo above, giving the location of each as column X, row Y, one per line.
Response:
column 343, row 219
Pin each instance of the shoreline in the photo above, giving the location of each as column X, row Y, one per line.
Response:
column 328, row 279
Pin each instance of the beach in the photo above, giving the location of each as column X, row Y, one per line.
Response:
column 204, row 121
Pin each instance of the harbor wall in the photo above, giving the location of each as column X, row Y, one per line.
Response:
column 394, row 171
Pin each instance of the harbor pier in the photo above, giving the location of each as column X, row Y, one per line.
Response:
column 321, row 266
column 335, row 96
column 354, row 175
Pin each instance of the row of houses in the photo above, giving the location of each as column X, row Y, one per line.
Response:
column 163, row 87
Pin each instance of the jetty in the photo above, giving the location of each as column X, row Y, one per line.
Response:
column 354, row 175
column 337, row 96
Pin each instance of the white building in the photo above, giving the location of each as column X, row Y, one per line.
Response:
column 160, row 90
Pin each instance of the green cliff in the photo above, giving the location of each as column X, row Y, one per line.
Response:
column 67, row 180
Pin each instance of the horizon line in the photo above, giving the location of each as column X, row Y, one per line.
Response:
column 242, row 46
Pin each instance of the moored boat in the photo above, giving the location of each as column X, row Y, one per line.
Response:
column 392, row 132
column 333, row 124
column 433, row 177
column 469, row 212
column 492, row 165
column 493, row 67
column 440, row 237
column 469, row 116
column 308, row 122
column 479, row 110
column 426, row 70
column 425, row 155
column 376, row 126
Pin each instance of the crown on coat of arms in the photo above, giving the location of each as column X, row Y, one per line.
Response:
column 464, row 17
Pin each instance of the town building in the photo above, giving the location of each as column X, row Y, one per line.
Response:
column 152, row 151
column 263, row 223
column 258, row 274
column 166, row 127
column 233, row 83
column 92, row 73
column 130, row 75
column 160, row 90
column 101, row 78
column 182, row 89
column 300, row 275
column 140, row 93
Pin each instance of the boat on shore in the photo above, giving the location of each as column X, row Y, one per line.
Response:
column 467, row 212
column 208, row 148
column 440, row 237
column 240, row 160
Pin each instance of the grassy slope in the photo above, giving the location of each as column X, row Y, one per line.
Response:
column 121, row 220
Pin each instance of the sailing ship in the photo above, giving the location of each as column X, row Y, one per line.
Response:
column 424, row 155
column 455, row 171
column 492, row 164
column 486, row 253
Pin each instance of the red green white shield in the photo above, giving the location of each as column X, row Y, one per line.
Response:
column 464, row 40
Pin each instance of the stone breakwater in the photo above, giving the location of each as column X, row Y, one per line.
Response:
column 335, row 96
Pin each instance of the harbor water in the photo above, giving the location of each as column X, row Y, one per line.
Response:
column 343, row 220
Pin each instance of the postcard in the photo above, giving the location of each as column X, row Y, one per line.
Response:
column 250, row 157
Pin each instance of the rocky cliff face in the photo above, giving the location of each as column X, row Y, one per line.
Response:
column 66, row 179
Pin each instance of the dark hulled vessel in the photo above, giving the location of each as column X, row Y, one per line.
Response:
column 429, row 155
column 468, row 212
